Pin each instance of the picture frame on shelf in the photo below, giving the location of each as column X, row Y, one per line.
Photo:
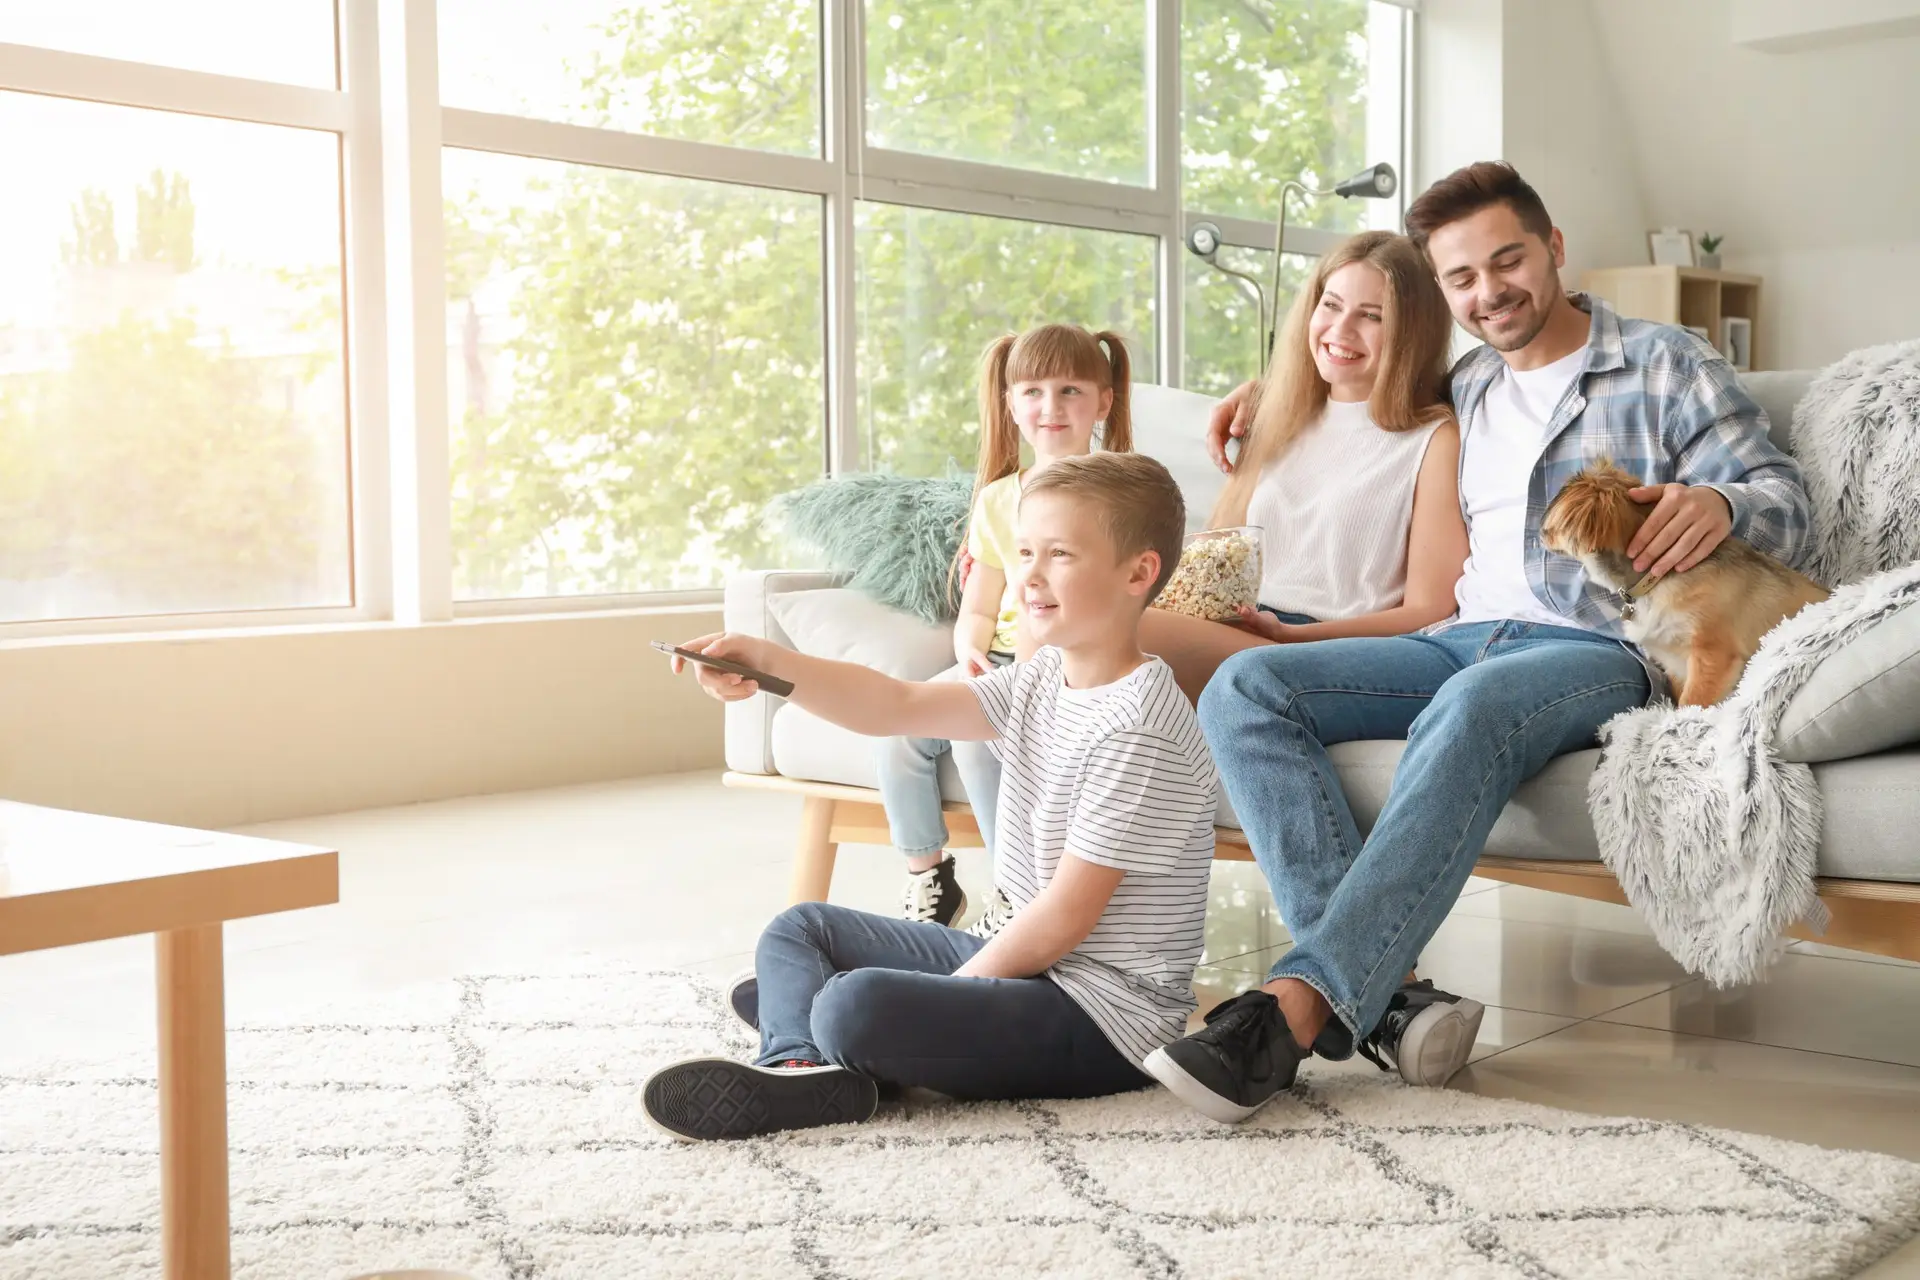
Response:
column 1736, row 341
column 1670, row 247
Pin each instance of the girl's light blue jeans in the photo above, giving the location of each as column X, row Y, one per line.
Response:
column 909, row 770
column 1482, row 707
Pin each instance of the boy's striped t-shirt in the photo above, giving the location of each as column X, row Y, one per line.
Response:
column 1120, row 776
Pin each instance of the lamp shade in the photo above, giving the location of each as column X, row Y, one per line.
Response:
column 1203, row 238
column 1376, row 183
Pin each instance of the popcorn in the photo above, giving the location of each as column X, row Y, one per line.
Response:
column 1218, row 572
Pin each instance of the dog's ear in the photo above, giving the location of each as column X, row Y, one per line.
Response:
column 1589, row 515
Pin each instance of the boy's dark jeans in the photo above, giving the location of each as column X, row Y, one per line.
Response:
column 877, row 995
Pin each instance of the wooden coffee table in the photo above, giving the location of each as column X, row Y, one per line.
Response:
column 67, row 878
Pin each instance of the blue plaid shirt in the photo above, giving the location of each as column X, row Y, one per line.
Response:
column 1664, row 405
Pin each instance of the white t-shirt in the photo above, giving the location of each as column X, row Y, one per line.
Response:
column 1119, row 776
column 1498, row 452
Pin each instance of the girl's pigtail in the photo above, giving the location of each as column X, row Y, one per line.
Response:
column 999, row 441
column 999, row 436
column 1118, row 437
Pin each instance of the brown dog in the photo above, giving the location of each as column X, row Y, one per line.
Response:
column 1702, row 625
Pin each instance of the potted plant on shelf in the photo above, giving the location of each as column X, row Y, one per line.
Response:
column 1710, row 250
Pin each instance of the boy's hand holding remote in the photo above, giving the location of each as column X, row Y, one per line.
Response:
column 856, row 697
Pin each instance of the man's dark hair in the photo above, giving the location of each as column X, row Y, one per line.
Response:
column 1467, row 191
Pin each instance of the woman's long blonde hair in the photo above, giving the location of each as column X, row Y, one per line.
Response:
column 1408, row 390
column 1048, row 351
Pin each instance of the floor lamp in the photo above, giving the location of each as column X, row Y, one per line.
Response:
column 1204, row 240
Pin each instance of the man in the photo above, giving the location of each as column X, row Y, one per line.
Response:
column 1529, row 668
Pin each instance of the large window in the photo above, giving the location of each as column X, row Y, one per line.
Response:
column 1055, row 85
column 173, row 429
column 347, row 310
column 935, row 288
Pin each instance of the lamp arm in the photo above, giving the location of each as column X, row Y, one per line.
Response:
column 1260, row 311
column 1279, row 244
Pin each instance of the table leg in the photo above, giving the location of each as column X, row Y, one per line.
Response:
column 193, row 1104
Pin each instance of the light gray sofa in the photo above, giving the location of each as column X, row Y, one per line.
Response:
column 1868, row 855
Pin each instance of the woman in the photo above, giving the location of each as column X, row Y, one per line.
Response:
column 1349, row 469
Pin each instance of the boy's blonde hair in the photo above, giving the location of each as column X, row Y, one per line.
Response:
column 1139, row 503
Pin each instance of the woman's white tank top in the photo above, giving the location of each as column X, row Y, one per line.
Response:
column 1335, row 510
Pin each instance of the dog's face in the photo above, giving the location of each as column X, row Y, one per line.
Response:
column 1592, row 512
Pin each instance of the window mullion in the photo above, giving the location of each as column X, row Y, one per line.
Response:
column 841, row 91
column 421, row 499
column 1166, row 154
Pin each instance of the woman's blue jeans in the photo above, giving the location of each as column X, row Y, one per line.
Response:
column 1482, row 706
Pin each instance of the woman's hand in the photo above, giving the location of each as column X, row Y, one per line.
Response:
column 1229, row 420
column 1263, row 624
column 964, row 569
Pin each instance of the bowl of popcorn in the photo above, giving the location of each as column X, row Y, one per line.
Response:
column 1218, row 574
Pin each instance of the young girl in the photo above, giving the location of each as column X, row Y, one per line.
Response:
column 1349, row 469
column 1058, row 388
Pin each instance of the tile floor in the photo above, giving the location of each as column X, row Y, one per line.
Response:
column 1585, row 1010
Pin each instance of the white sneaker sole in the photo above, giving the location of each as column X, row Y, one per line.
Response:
column 1161, row 1066
column 1439, row 1042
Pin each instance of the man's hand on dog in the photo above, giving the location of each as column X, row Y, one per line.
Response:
column 1687, row 522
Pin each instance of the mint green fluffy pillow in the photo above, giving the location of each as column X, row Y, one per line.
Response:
column 894, row 537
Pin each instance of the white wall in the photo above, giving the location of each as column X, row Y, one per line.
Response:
column 221, row 729
column 1754, row 144
column 1525, row 81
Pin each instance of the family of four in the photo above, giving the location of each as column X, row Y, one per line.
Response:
column 1406, row 595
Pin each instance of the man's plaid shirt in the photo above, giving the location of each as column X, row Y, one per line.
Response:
column 1664, row 405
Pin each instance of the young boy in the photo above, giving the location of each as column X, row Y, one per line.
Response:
column 1105, row 841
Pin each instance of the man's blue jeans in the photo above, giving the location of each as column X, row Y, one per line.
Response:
column 1482, row 706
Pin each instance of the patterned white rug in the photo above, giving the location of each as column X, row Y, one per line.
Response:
column 490, row 1125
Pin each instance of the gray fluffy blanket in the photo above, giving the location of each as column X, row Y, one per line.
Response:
column 1711, row 836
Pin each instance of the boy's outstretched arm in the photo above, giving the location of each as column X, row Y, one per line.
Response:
column 852, row 696
column 1051, row 925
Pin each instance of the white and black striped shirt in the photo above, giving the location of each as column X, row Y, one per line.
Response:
column 1120, row 776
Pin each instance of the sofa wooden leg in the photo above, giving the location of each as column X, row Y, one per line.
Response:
column 813, row 859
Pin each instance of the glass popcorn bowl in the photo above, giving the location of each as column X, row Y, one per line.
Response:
column 1219, row 574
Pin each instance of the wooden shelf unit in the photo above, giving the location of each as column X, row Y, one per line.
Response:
column 1694, row 296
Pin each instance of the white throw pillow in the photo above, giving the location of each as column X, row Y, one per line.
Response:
column 844, row 625
column 1862, row 699
column 1170, row 425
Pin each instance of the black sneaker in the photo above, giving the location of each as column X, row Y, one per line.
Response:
column 707, row 1098
column 1230, row 1069
column 743, row 997
column 933, row 896
column 1426, row 1034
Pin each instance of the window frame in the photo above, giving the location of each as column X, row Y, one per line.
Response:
column 392, row 126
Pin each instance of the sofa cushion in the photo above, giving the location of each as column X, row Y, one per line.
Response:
column 1870, row 800
column 844, row 625
column 805, row 746
column 1778, row 393
column 1170, row 426
column 1863, row 698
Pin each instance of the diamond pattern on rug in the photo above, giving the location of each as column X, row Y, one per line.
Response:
column 491, row 1125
